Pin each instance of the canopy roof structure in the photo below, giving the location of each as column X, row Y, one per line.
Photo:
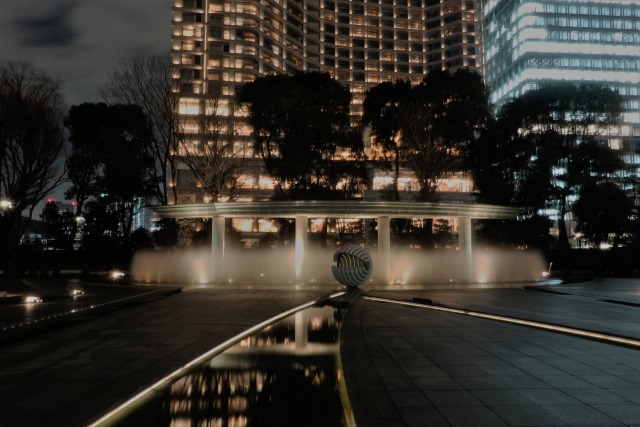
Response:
column 302, row 211
column 337, row 209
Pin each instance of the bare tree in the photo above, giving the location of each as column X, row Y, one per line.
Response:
column 215, row 160
column 31, row 147
column 150, row 82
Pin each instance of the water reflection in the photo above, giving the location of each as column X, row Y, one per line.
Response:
column 285, row 375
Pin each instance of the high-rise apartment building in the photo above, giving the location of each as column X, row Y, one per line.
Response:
column 526, row 42
column 223, row 44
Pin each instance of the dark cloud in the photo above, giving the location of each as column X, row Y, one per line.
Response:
column 80, row 41
column 52, row 30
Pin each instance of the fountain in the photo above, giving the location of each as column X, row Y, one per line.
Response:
column 278, row 266
column 301, row 263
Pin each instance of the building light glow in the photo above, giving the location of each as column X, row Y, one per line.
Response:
column 529, row 7
column 516, row 85
column 572, row 48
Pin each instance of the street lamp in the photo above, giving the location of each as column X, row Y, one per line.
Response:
column 5, row 205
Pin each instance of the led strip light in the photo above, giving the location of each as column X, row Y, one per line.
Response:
column 218, row 349
column 563, row 329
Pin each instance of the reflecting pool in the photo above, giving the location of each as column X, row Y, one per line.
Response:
column 287, row 374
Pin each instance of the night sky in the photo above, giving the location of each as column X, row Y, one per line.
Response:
column 79, row 41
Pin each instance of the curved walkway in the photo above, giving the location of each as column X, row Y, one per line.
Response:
column 403, row 366
column 69, row 376
column 409, row 366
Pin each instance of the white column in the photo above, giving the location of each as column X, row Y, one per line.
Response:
column 465, row 237
column 302, row 223
column 384, row 250
column 301, row 335
column 217, row 248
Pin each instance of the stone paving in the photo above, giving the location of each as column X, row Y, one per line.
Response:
column 408, row 366
column 71, row 375
column 403, row 366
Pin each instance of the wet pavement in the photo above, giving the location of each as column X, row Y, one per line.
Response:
column 403, row 366
column 284, row 375
column 71, row 375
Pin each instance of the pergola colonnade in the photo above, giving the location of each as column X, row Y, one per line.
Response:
column 301, row 211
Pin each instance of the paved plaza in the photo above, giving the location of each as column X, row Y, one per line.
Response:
column 403, row 366
column 416, row 366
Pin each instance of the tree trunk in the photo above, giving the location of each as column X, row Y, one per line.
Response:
column 12, row 243
column 396, row 178
column 13, row 261
column 174, row 184
column 563, row 238
column 427, row 233
column 325, row 230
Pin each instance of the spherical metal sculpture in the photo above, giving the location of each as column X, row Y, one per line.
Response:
column 353, row 266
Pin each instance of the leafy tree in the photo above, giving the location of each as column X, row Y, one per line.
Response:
column 31, row 147
column 141, row 239
column 498, row 160
column 440, row 120
column 167, row 233
column 101, row 227
column 632, row 237
column 58, row 226
column 530, row 230
column 442, row 232
column 603, row 209
column 150, row 83
column 300, row 126
column 430, row 126
column 345, row 174
column 382, row 107
column 121, row 175
column 86, row 126
column 543, row 147
column 128, row 177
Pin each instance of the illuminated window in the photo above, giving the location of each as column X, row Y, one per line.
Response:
column 219, row 107
column 190, row 127
column 189, row 106
column 243, row 129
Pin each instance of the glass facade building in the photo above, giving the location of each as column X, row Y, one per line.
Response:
column 526, row 42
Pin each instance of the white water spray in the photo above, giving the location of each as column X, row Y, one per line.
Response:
column 283, row 265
